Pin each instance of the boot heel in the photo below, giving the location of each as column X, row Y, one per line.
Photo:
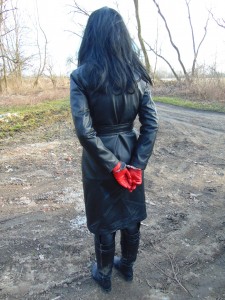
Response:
column 129, row 248
column 103, row 281
column 125, row 270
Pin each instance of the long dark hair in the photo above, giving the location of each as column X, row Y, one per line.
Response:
column 108, row 54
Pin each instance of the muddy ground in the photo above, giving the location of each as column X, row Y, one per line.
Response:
column 46, row 250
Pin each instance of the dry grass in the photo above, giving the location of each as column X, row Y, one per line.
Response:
column 33, row 98
column 202, row 90
column 208, row 90
column 24, row 93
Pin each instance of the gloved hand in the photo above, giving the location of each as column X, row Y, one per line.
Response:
column 122, row 175
column 136, row 175
column 133, row 187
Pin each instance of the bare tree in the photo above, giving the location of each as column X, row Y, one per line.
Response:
column 141, row 41
column 4, row 10
column 42, row 56
column 156, row 57
column 80, row 10
column 188, row 77
column 9, row 41
column 3, row 52
column 12, row 59
column 16, row 47
column 17, row 60
column 50, row 73
column 195, row 48
column 77, row 9
column 165, row 60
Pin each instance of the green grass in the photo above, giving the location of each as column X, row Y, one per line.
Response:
column 218, row 107
column 45, row 105
column 28, row 117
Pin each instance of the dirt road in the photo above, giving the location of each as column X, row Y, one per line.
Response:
column 45, row 249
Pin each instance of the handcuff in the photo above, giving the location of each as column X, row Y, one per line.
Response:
column 124, row 166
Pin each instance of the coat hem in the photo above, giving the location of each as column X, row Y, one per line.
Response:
column 116, row 227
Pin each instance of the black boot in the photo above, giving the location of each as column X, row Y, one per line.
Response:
column 129, row 249
column 102, row 270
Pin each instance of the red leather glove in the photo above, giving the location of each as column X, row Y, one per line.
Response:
column 136, row 175
column 122, row 175
column 133, row 187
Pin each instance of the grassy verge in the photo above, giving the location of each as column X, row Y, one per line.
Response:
column 21, row 118
column 24, row 118
column 218, row 107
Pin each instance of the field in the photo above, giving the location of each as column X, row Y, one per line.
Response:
column 46, row 250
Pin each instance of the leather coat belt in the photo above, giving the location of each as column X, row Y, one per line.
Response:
column 114, row 129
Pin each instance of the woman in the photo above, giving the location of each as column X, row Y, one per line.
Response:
column 109, row 89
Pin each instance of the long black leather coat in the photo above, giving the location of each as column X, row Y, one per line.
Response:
column 104, row 127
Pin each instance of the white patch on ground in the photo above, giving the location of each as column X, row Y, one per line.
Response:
column 78, row 222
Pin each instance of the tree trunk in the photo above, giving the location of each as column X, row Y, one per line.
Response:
column 147, row 63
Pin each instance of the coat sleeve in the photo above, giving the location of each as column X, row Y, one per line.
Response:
column 83, row 126
column 148, row 130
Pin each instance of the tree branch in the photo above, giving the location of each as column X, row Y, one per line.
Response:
column 166, row 61
column 41, row 67
column 3, row 34
column 218, row 22
column 200, row 43
column 171, row 41
column 147, row 63
column 5, row 11
column 79, row 9
column 196, row 51
column 73, row 33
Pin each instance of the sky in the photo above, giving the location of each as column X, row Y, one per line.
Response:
column 58, row 21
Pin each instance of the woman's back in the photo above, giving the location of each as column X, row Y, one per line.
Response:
column 108, row 90
column 109, row 108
